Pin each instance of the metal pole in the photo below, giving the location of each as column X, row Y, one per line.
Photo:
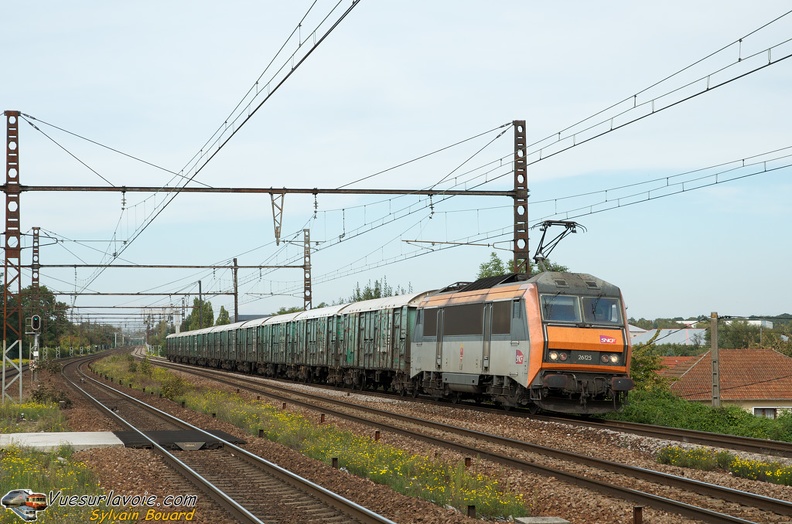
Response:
column 521, row 253
column 716, row 401
column 236, row 292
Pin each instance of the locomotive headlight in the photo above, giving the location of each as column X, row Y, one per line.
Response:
column 553, row 355
column 562, row 356
column 604, row 358
column 614, row 359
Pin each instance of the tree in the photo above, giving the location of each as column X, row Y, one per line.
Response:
column 201, row 316
column 645, row 366
column 158, row 333
column 43, row 303
column 285, row 310
column 737, row 334
column 658, row 323
column 495, row 266
column 222, row 317
column 378, row 290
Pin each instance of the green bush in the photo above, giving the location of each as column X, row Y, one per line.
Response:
column 44, row 394
column 663, row 408
column 173, row 387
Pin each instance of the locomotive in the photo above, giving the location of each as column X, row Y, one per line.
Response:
column 554, row 342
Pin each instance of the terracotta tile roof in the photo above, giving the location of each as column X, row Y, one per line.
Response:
column 745, row 374
column 675, row 367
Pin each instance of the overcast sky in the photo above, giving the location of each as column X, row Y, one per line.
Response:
column 132, row 95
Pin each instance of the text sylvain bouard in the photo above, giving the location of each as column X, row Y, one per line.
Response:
column 151, row 515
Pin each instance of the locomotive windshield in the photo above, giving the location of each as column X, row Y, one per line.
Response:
column 595, row 310
column 561, row 308
column 602, row 310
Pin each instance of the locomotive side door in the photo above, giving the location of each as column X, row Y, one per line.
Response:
column 439, row 343
column 486, row 346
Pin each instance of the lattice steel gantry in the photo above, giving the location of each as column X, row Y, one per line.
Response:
column 12, row 306
column 521, row 251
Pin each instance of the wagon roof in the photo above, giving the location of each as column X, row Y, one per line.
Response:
column 254, row 322
column 279, row 319
column 385, row 302
column 322, row 311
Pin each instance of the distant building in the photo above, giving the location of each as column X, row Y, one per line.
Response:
column 634, row 330
column 683, row 336
column 764, row 324
column 756, row 380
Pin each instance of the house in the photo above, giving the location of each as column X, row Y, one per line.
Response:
column 675, row 367
column 683, row 336
column 756, row 380
column 635, row 330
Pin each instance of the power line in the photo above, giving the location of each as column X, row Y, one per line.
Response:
column 246, row 113
column 243, row 112
column 426, row 155
column 734, row 164
column 658, row 193
column 630, row 109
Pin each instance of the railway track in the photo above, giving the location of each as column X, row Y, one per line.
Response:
column 242, row 483
column 717, row 440
column 599, row 474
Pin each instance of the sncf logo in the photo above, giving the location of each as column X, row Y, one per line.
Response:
column 604, row 339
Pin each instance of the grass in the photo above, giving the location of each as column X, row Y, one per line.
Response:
column 31, row 417
column 659, row 406
column 707, row 459
column 413, row 475
column 44, row 472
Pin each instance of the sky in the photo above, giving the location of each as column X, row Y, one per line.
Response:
column 660, row 128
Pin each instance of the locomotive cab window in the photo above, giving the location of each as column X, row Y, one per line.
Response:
column 560, row 308
column 428, row 317
column 602, row 310
column 501, row 317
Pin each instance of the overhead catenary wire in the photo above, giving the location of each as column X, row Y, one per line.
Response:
column 619, row 114
column 245, row 113
column 202, row 162
column 564, row 130
column 503, row 233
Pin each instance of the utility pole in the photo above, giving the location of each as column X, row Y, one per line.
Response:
column 522, row 254
column 12, row 289
column 716, row 401
column 200, row 306
column 236, row 292
column 307, row 298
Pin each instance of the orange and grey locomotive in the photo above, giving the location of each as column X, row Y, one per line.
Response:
column 555, row 341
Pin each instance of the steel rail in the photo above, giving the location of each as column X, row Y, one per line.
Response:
column 224, row 500
column 721, row 492
column 753, row 445
column 342, row 504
